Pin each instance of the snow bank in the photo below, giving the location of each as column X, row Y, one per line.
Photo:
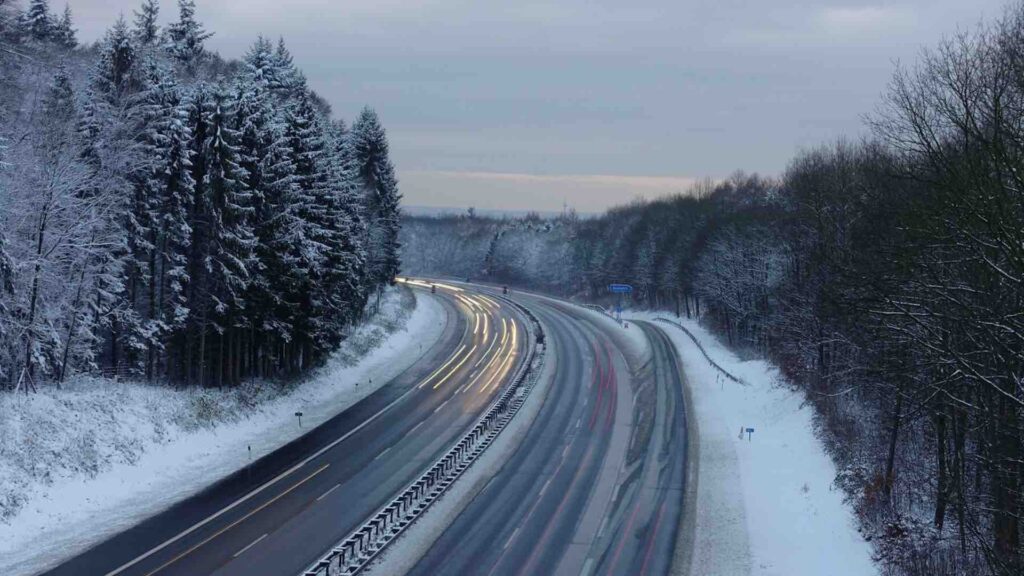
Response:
column 81, row 464
column 765, row 506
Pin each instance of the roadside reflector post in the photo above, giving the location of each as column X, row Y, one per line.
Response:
column 299, row 416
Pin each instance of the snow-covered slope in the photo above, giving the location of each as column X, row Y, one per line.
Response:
column 765, row 505
column 79, row 465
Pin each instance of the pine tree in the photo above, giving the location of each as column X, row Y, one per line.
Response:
column 230, row 199
column 6, row 268
column 168, row 186
column 38, row 21
column 344, row 266
column 221, row 242
column 59, row 102
column 115, row 75
column 286, row 80
column 369, row 150
column 261, row 63
column 146, row 29
column 309, row 153
column 270, row 177
column 64, row 31
column 186, row 37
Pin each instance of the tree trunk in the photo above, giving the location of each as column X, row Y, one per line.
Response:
column 941, row 490
column 890, row 460
column 71, row 327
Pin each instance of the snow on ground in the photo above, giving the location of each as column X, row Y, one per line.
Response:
column 81, row 464
column 765, row 506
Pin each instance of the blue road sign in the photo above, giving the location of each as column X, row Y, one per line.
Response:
column 620, row 288
column 750, row 430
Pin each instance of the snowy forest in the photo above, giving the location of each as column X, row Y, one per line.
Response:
column 167, row 214
column 885, row 278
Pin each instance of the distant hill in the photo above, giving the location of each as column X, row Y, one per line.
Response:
column 429, row 211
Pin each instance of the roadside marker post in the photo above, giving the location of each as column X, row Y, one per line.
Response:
column 299, row 416
column 619, row 289
column 750, row 432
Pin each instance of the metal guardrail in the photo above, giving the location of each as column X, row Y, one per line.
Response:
column 365, row 543
column 704, row 352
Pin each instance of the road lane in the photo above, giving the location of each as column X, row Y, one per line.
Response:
column 595, row 487
column 642, row 526
column 308, row 495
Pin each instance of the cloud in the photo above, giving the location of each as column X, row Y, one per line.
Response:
column 864, row 19
column 517, row 191
column 861, row 26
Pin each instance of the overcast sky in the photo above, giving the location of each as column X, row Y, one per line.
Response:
column 526, row 105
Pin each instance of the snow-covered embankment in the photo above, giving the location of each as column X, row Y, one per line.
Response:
column 765, row 504
column 80, row 464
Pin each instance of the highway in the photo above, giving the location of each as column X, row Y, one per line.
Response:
column 596, row 486
column 285, row 510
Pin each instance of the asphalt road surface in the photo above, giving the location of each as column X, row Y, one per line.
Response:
column 281, row 513
column 596, row 486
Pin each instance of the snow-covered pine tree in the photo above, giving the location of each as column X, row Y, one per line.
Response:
column 231, row 247
column 270, row 177
column 185, row 37
column 369, row 155
column 286, row 81
column 105, row 142
column 221, row 242
column 175, row 228
column 188, row 346
column 115, row 74
column 168, row 187
column 64, row 30
column 38, row 21
column 59, row 106
column 147, row 32
column 343, row 288
column 309, row 154
column 6, row 296
column 261, row 64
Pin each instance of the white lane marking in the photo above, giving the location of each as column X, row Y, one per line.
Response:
column 565, row 451
column 588, row 566
column 237, row 522
column 254, row 542
column 324, row 495
column 544, row 489
column 413, row 429
column 510, row 539
column 441, row 405
column 386, row 450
